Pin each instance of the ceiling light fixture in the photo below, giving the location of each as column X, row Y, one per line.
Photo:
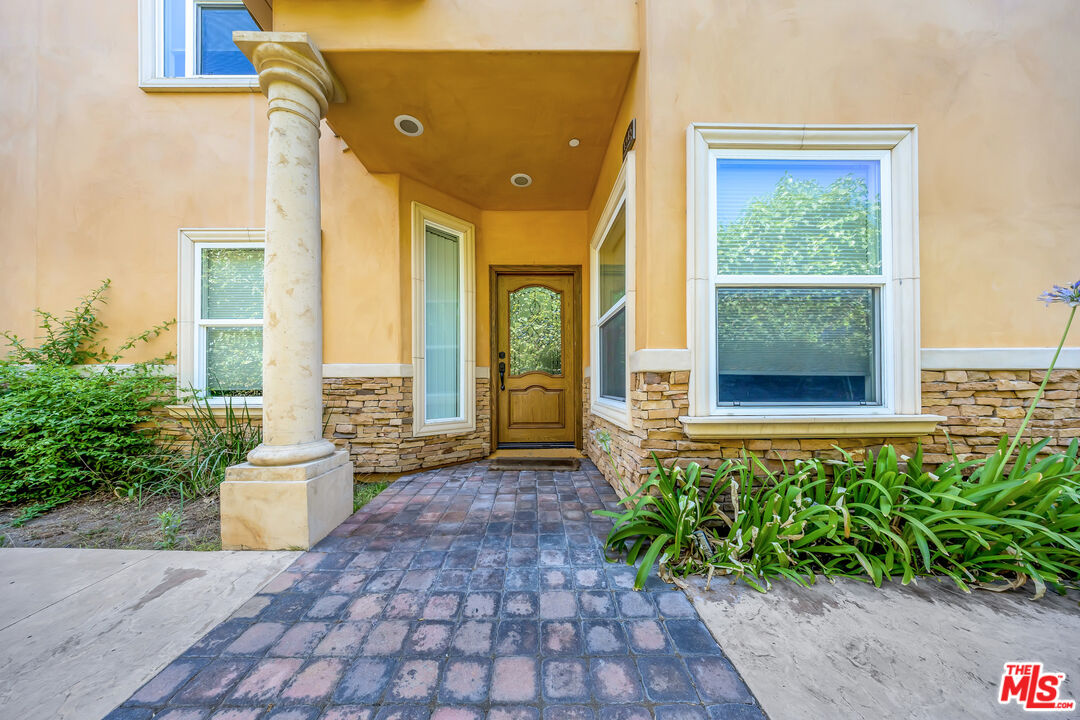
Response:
column 408, row 125
column 574, row 142
column 520, row 180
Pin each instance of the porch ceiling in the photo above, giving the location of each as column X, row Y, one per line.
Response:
column 486, row 116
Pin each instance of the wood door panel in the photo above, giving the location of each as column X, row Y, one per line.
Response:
column 536, row 407
column 536, row 339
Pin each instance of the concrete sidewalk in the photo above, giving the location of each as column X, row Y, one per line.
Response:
column 922, row 652
column 80, row 630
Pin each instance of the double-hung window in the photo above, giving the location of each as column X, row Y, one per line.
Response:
column 188, row 44
column 444, row 340
column 612, row 302
column 221, row 314
column 799, row 274
column 803, row 275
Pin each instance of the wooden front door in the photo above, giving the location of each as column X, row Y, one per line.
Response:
column 535, row 366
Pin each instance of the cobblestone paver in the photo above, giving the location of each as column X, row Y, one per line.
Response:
column 458, row 594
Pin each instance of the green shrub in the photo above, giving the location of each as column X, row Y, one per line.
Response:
column 66, row 430
column 890, row 516
column 994, row 522
column 884, row 517
column 667, row 517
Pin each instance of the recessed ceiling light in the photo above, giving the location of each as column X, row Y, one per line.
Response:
column 408, row 125
column 520, row 180
column 574, row 142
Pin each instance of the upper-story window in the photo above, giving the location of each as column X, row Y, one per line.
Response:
column 188, row 45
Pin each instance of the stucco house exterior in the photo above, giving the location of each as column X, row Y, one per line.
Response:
column 412, row 232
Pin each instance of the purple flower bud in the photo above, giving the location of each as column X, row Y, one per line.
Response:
column 1064, row 294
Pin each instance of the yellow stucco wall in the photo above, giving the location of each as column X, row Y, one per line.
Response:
column 456, row 25
column 361, row 290
column 528, row 238
column 502, row 238
column 97, row 176
column 994, row 89
column 105, row 174
column 632, row 108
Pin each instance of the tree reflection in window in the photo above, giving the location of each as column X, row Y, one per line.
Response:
column 535, row 331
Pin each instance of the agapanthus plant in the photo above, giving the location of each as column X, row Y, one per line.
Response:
column 1066, row 295
column 993, row 522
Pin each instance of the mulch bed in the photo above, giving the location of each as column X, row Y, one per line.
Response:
column 105, row 521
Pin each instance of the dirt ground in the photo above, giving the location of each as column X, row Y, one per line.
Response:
column 104, row 521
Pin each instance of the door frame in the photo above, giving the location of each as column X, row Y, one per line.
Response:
column 494, row 271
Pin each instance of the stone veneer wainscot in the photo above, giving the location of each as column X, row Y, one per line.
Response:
column 978, row 405
column 372, row 418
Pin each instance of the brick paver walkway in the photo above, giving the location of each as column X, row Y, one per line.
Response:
column 458, row 594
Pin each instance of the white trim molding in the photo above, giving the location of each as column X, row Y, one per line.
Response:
column 898, row 281
column 219, row 411
column 1017, row 358
column 188, row 363
column 800, row 426
column 151, row 74
column 623, row 196
column 422, row 217
column 363, row 370
column 660, row 360
column 377, row 370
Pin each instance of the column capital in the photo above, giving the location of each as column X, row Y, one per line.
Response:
column 292, row 58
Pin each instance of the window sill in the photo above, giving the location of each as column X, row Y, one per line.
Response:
column 201, row 84
column 458, row 427
column 614, row 412
column 803, row 426
column 187, row 412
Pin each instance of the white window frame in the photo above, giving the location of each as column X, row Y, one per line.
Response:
column 424, row 216
column 899, row 410
column 622, row 196
column 151, row 60
column 191, row 337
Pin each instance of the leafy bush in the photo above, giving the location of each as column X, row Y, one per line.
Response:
column 66, row 430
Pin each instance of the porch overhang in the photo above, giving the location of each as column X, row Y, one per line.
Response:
column 486, row 116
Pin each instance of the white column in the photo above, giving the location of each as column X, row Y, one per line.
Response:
column 299, row 87
column 295, row 488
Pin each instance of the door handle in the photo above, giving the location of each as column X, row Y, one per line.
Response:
column 502, row 376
